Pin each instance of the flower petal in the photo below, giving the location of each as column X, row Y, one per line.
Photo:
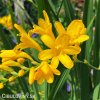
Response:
column 11, row 63
column 31, row 75
column 66, row 61
column 44, row 67
column 42, row 23
column 55, row 71
column 72, row 50
column 82, row 38
column 59, row 27
column 46, row 54
column 55, row 62
column 7, row 53
column 48, row 41
column 24, row 55
column 46, row 16
column 75, row 27
column 20, row 29
column 49, row 78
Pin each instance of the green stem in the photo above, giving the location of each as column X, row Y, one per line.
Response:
column 46, row 91
column 88, row 64
column 35, row 88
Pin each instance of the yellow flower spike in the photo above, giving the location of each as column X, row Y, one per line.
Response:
column 20, row 60
column 26, row 40
column 31, row 75
column 11, row 79
column 1, row 85
column 21, row 73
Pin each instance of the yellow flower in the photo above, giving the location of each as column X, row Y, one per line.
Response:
column 76, row 30
column 1, row 85
column 45, row 27
column 26, row 40
column 60, row 49
column 6, row 21
column 45, row 71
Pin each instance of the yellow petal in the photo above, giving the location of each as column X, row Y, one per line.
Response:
column 66, row 61
column 11, row 63
column 46, row 16
column 45, row 54
column 59, row 27
column 75, row 27
column 48, row 41
column 49, row 78
column 44, row 67
column 20, row 29
column 38, row 30
column 72, row 50
column 41, row 80
column 55, row 71
column 24, row 55
column 54, row 62
column 82, row 38
column 42, row 23
column 31, row 75
column 6, row 68
column 63, row 40
column 7, row 53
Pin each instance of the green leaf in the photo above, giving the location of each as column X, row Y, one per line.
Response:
column 59, row 84
column 96, row 92
column 69, row 12
column 96, row 56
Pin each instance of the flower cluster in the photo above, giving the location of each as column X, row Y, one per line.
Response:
column 6, row 21
column 57, row 50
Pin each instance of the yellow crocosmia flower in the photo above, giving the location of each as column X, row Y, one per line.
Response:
column 14, row 55
column 26, row 40
column 21, row 73
column 45, row 27
column 6, row 21
column 31, row 75
column 76, row 30
column 1, row 85
column 59, row 50
column 45, row 72
column 11, row 79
